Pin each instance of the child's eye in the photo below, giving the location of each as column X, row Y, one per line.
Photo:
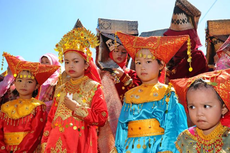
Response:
column 207, row 106
column 66, row 62
column 19, row 80
column 123, row 52
column 137, row 63
column 191, row 107
column 149, row 61
column 75, row 61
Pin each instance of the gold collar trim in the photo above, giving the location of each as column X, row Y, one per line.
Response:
column 20, row 107
column 146, row 93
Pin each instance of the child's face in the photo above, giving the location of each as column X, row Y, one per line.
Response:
column 24, row 85
column 147, row 69
column 204, row 108
column 75, row 65
column 119, row 54
column 45, row 61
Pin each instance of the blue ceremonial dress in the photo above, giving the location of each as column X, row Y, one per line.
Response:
column 150, row 121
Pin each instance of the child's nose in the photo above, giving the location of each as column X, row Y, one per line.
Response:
column 200, row 112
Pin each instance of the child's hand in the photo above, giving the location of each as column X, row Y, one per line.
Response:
column 69, row 103
column 118, row 71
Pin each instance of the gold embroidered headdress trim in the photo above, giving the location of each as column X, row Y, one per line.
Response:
column 79, row 39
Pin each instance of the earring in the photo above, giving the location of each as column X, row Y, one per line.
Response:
column 222, row 116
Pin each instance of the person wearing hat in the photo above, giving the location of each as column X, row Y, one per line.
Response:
column 7, row 86
column 23, row 119
column 223, row 56
column 184, row 22
column 79, row 107
column 151, row 117
column 124, row 78
column 206, row 98
column 47, row 89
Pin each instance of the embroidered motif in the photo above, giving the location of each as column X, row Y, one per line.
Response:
column 58, row 147
column 103, row 114
column 82, row 93
column 46, row 133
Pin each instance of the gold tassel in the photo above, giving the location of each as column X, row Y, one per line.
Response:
column 189, row 60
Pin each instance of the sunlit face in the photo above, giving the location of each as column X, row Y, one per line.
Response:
column 204, row 108
column 75, row 65
column 119, row 54
column 147, row 69
column 45, row 61
column 24, row 85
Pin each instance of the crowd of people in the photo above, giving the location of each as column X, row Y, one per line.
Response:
column 169, row 101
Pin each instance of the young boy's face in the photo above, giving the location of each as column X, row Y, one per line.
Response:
column 147, row 68
column 25, row 85
column 75, row 65
column 204, row 108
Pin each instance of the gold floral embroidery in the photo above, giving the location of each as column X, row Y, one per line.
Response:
column 82, row 112
column 58, row 147
column 103, row 114
column 83, row 94
column 46, row 133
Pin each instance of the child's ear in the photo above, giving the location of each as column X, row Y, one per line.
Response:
column 86, row 65
column 162, row 65
column 224, row 109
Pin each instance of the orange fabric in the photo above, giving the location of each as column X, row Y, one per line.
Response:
column 162, row 47
column 39, row 71
column 220, row 77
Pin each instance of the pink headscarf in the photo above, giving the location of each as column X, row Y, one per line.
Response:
column 54, row 77
column 7, row 81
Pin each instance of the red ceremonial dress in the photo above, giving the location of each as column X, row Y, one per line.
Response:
column 70, row 131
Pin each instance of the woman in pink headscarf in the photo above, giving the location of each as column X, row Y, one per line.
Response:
column 47, row 89
column 7, row 86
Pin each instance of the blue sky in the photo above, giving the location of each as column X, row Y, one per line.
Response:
column 32, row 28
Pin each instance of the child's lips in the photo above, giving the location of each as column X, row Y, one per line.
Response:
column 71, row 71
column 144, row 73
column 201, row 121
column 23, row 89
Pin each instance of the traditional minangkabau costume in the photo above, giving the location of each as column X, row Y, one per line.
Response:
column 22, row 120
column 223, row 54
column 184, row 22
column 193, row 140
column 151, row 117
column 114, row 91
column 70, row 131
column 47, row 89
column 108, row 43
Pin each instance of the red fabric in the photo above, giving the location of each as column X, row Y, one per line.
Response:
column 32, row 124
column 180, row 68
column 79, row 140
column 121, row 88
column 162, row 47
column 39, row 71
column 91, row 71
column 122, row 64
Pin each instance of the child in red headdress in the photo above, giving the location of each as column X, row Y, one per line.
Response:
column 22, row 120
column 207, row 99
column 79, row 105
column 151, row 117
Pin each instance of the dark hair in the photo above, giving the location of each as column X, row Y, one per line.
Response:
column 200, row 83
column 160, row 63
